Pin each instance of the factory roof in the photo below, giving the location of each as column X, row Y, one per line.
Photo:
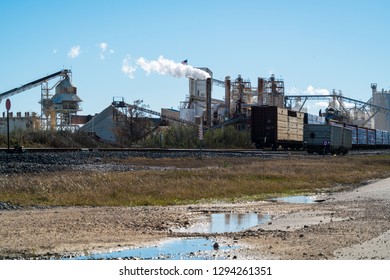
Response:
column 67, row 97
column 103, row 125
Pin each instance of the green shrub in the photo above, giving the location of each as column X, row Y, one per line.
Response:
column 187, row 137
column 228, row 137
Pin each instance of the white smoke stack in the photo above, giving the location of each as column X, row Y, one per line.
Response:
column 165, row 66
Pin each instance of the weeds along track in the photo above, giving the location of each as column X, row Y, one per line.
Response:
column 156, row 177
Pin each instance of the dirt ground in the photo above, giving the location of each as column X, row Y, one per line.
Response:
column 353, row 224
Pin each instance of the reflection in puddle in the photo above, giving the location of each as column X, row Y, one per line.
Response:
column 300, row 199
column 226, row 222
column 175, row 249
column 304, row 199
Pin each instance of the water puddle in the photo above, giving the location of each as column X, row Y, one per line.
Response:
column 299, row 199
column 225, row 222
column 175, row 249
column 191, row 248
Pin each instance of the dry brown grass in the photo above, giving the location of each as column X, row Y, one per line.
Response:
column 193, row 180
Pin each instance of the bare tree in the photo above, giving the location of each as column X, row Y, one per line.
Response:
column 137, row 125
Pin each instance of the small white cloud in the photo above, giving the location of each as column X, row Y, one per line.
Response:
column 310, row 105
column 310, row 90
column 55, row 51
column 104, row 50
column 74, row 52
column 127, row 68
column 315, row 91
column 103, row 46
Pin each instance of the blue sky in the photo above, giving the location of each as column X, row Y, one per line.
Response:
column 342, row 45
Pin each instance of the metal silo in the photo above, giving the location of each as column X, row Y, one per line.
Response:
column 65, row 104
column 382, row 99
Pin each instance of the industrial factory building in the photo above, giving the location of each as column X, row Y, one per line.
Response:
column 19, row 122
column 57, row 110
column 239, row 97
column 60, row 110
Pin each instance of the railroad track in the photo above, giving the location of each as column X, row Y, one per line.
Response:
column 249, row 152
column 157, row 150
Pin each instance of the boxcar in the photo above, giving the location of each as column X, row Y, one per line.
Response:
column 276, row 127
column 327, row 138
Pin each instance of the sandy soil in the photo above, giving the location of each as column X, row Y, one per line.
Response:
column 353, row 224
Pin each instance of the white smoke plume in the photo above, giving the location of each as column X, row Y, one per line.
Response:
column 165, row 66
column 127, row 68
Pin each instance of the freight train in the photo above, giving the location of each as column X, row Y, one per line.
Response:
column 273, row 127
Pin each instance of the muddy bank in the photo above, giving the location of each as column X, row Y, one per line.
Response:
column 347, row 225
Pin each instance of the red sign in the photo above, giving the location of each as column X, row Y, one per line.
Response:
column 8, row 104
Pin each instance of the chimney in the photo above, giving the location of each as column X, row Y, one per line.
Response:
column 227, row 96
column 208, row 102
column 260, row 90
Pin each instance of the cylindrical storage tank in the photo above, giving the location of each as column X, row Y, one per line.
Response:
column 382, row 119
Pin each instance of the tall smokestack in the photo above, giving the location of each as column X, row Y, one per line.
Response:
column 208, row 102
column 227, row 96
column 260, row 90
